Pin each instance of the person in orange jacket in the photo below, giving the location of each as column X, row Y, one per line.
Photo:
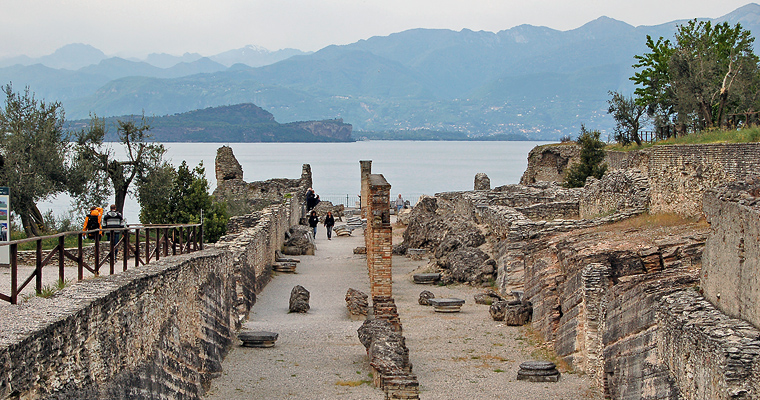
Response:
column 93, row 220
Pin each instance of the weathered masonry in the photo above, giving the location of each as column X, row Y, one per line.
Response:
column 382, row 332
column 159, row 331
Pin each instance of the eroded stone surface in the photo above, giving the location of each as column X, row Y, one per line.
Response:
column 299, row 300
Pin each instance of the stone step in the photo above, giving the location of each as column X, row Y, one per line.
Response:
column 427, row 278
column 258, row 338
column 447, row 305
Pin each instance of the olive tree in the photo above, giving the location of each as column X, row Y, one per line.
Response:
column 33, row 152
column 102, row 171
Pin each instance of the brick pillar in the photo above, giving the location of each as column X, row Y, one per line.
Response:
column 366, row 170
column 379, row 244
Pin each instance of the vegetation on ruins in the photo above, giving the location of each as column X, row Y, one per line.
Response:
column 179, row 196
column 32, row 154
column 591, row 159
column 708, row 77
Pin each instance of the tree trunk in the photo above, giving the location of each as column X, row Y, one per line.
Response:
column 31, row 220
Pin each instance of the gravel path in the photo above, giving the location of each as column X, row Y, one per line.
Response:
column 318, row 354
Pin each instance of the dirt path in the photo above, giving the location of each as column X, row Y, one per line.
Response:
column 318, row 354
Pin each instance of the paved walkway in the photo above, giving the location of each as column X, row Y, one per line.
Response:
column 318, row 354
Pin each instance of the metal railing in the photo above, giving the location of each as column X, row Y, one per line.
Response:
column 350, row 201
column 179, row 238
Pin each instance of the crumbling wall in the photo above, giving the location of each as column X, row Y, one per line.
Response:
column 158, row 331
column 617, row 190
column 246, row 197
column 710, row 355
column 731, row 273
column 679, row 175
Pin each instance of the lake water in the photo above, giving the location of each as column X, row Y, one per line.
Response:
column 412, row 168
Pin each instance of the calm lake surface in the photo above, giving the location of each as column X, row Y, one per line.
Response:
column 412, row 168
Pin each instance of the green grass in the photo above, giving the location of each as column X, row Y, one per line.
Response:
column 749, row 135
column 49, row 290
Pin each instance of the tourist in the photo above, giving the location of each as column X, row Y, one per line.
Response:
column 399, row 203
column 329, row 223
column 114, row 219
column 311, row 199
column 313, row 222
column 92, row 221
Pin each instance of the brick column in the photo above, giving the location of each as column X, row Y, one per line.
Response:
column 366, row 170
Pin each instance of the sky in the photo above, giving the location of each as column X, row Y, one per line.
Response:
column 136, row 28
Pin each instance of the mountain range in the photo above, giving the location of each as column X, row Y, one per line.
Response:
column 531, row 81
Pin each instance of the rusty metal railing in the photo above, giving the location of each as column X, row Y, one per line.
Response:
column 166, row 239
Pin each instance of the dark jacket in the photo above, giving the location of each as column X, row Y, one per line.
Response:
column 329, row 221
column 113, row 219
column 313, row 221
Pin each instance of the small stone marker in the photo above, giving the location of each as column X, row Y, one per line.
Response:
column 299, row 299
column 426, row 279
column 258, row 338
column 450, row 305
column 425, row 297
column 538, row 371
column 289, row 267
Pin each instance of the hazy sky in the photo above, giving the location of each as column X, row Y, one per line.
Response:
column 139, row 27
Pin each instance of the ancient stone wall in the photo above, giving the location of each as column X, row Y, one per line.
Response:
column 246, row 197
column 710, row 355
column 678, row 175
column 548, row 163
column 624, row 189
column 731, row 273
column 157, row 331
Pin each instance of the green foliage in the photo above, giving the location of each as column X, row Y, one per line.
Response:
column 96, row 164
column 710, row 71
column 627, row 114
column 32, row 154
column 592, row 156
column 169, row 196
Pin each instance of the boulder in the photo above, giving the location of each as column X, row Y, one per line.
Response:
column 469, row 265
column 324, row 206
column 299, row 300
column 498, row 309
column 518, row 313
column 298, row 241
column 425, row 297
column 402, row 217
column 487, row 298
column 360, row 250
column 357, row 303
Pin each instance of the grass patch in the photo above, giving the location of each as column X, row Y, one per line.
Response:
column 748, row 135
column 353, row 383
column 49, row 290
column 656, row 220
column 542, row 350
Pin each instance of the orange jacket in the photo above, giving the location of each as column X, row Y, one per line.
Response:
column 97, row 211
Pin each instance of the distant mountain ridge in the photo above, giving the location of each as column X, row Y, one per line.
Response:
column 530, row 81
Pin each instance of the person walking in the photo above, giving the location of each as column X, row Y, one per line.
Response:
column 114, row 219
column 329, row 223
column 92, row 221
column 399, row 203
column 313, row 222
column 311, row 199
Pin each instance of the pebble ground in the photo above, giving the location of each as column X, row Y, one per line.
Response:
column 318, row 354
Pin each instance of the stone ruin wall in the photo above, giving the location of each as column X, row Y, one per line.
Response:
column 160, row 330
column 634, row 317
column 244, row 197
column 731, row 273
column 678, row 175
